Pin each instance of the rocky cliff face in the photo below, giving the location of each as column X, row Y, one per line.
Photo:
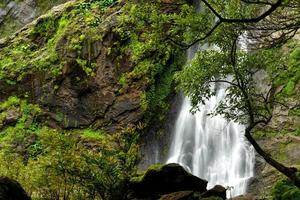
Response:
column 281, row 140
column 284, row 148
column 16, row 14
column 72, row 66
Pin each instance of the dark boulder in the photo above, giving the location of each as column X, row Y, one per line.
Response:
column 218, row 191
column 12, row 190
column 167, row 179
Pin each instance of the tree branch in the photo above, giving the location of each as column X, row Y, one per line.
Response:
column 244, row 20
column 223, row 81
column 186, row 46
column 290, row 172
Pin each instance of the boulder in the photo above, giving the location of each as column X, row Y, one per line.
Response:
column 167, row 179
column 12, row 190
column 218, row 191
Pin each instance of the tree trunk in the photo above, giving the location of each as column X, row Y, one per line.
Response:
column 290, row 172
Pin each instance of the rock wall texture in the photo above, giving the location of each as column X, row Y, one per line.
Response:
column 72, row 66
column 285, row 148
column 14, row 14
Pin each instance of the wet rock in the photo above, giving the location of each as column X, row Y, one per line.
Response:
column 11, row 190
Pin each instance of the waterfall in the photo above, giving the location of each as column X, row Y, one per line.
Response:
column 211, row 147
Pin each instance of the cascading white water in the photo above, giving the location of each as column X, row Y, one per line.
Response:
column 211, row 147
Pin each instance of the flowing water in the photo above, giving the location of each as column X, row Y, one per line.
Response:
column 211, row 147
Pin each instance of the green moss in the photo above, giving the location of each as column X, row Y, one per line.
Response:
column 11, row 101
column 290, row 88
column 40, row 48
column 262, row 134
column 155, row 167
column 138, row 177
column 296, row 132
column 87, row 67
column 285, row 190
column 281, row 156
column 92, row 134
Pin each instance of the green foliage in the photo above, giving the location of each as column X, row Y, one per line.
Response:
column 285, row 190
column 91, row 134
column 39, row 48
column 294, row 64
column 155, row 59
column 263, row 134
column 11, row 101
column 138, row 177
column 59, row 164
column 289, row 88
column 74, row 164
column 154, row 100
column 86, row 66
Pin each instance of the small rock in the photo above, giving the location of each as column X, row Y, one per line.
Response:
column 12, row 116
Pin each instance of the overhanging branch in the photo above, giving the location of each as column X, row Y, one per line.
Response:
column 244, row 20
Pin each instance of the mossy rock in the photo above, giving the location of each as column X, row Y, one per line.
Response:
column 160, row 180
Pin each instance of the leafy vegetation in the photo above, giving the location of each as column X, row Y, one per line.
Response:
column 39, row 47
column 155, row 59
column 55, row 164
column 285, row 190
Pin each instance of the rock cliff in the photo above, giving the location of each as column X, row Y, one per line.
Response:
column 73, row 66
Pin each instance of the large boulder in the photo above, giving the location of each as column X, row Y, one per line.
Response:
column 166, row 179
column 12, row 190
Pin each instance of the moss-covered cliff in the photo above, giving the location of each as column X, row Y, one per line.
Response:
column 73, row 63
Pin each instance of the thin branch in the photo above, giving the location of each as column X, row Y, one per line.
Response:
column 186, row 46
column 244, row 20
column 223, row 81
